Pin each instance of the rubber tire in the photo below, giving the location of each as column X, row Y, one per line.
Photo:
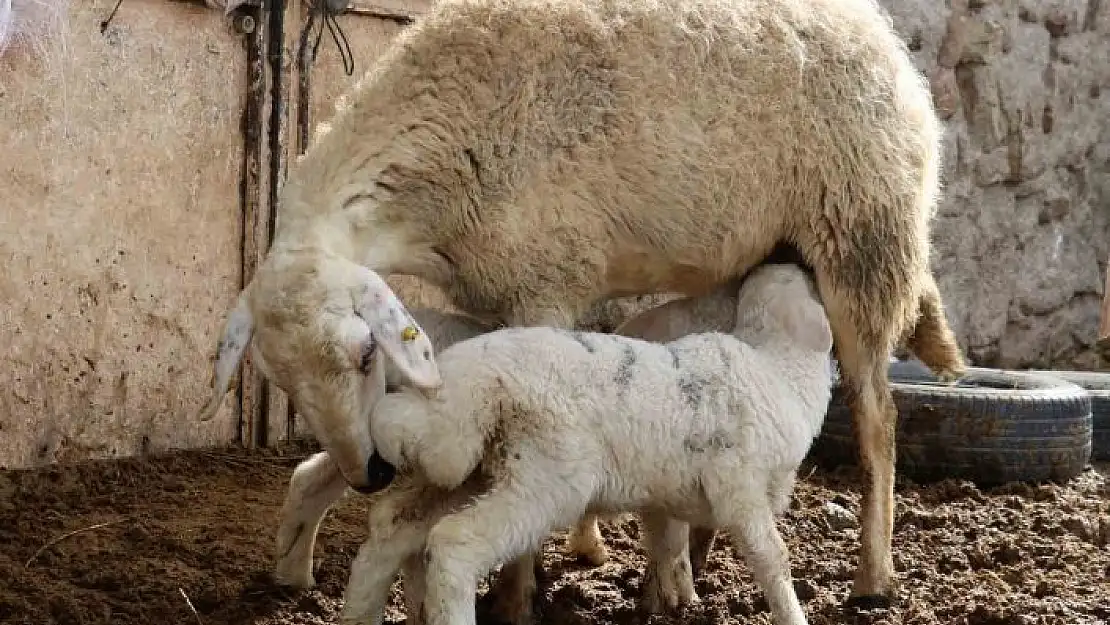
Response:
column 990, row 428
column 1098, row 387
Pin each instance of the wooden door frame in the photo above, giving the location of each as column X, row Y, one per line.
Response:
column 276, row 128
column 1104, row 321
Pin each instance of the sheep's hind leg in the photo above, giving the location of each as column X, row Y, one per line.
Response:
column 862, row 351
column 315, row 486
column 465, row 545
column 586, row 543
column 932, row 339
column 668, row 582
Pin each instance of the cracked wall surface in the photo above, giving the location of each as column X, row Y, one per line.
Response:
column 1023, row 229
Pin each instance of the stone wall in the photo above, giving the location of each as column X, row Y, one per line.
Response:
column 1023, row 231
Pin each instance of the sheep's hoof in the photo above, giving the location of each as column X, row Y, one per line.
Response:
column 297, row 580
column 871, row 602
column 510, row 603
column 594, row 555
column 949, row 376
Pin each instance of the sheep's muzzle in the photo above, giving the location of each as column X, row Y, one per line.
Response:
column 379, row 474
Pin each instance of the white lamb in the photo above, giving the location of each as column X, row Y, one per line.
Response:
column 535, row 427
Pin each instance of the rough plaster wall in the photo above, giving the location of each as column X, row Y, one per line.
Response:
column 119, row 231
column 1023, row 230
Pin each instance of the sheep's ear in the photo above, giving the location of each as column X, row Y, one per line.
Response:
column 231, row 5
column 394, row 330
column 229, row 352
column 807, row 323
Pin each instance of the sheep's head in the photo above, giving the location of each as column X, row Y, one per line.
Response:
column 780, row 301
column 315, row 324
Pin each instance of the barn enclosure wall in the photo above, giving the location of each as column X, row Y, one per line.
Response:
column 120, row 183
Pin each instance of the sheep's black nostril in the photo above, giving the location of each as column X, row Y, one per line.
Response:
column 379, row 474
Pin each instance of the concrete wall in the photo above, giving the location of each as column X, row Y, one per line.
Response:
column 1024, row 228
column 119, row 184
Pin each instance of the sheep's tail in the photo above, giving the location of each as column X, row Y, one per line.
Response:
column 932, row 340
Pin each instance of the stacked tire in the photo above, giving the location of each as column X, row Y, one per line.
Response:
column 1097, row 386
column 991, row 427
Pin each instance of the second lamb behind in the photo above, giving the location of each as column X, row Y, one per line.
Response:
column 536, row 426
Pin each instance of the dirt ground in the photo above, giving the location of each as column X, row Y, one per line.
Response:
column 159, row 534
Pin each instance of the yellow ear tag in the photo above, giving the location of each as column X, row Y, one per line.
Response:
column 409, row 334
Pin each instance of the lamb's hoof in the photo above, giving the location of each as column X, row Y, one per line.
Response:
column 588, row 546
column 667, row 598
column 867, row 603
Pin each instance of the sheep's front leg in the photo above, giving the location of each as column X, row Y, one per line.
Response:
column 513, row 592
column 414, row 574
column 399, row 522
column 465, row 545
column 668, row 583
column 315, row 486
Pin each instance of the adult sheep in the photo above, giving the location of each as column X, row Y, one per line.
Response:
column 532, row 157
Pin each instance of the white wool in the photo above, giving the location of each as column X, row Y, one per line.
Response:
column 535, row 427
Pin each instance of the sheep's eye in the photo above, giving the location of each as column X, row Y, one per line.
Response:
column 367, row 356
column 427, row 355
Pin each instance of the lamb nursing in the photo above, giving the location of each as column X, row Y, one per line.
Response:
column 535, row 157
column 535, row 427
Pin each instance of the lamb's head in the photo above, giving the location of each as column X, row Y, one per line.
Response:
column 779, row 303
column 315, row 323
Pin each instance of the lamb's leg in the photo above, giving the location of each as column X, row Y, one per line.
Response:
column 701, row 543
column 316, row 484
column 399, row 522
column 668, row 582
column 863, row 352
column 513, row 592
column 465, row 545
column 586, row 543
column 752, row 526
column 780, row 489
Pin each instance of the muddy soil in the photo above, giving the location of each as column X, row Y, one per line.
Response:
column 155, row 536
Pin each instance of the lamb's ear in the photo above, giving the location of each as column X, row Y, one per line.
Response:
column 806, row 323
column 229, row 352
column 394, row 330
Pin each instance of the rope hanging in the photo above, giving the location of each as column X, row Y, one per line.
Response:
column 326, row 11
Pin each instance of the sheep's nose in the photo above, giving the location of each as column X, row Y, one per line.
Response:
column 379, row 474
